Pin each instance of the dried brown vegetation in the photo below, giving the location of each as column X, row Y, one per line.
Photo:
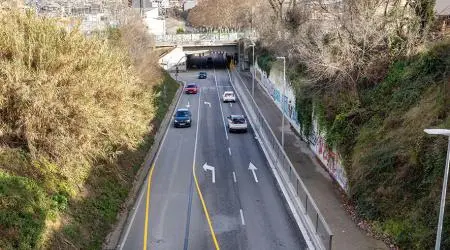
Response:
column 76, row 118
column 223, row 14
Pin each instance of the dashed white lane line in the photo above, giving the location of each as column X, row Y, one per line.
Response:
column 242, row 217
column 220, row 104
column 229, row 151
column 234, row 176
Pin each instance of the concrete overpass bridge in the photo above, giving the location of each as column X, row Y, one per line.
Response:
column 195, row 39
column 187, row 49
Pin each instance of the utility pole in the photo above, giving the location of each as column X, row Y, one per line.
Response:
column 253, row 78
column 445, row 132
column 141, row 7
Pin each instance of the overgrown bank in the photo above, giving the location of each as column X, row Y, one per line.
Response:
column 77, row 116
column 394, row 169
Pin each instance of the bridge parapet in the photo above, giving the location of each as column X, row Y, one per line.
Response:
column 198, row 39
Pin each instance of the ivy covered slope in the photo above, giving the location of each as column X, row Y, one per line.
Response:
column 395, row 170
column 76, row 120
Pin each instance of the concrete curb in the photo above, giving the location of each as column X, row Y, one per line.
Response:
column 112, row 240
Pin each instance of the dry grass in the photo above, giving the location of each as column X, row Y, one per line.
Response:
column 72, row 109
column 66, row 98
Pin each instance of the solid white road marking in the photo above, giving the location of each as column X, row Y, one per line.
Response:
column 252, row 168
column 242, row 217
column 220, row 104
column 207, row 167
column 229, row 151
column 207, row 103
column 234, row 176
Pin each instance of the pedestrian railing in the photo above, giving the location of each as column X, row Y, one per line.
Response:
column 180, row 39
column 302, row 202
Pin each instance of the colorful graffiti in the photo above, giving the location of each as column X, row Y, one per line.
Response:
column 331, row 160
column 328, row 156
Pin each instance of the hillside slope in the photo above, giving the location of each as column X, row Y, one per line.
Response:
column 77, row 116
column 395, row 170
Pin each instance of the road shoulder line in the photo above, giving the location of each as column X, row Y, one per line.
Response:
column 147, row 205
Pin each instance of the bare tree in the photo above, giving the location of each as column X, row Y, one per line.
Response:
column 342, row 45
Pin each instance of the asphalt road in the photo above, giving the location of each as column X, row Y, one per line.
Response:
column 245, row 209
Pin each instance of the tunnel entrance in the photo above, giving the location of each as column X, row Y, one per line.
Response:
column 208, row 60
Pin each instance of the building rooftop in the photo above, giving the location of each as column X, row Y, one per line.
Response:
column 442, row 7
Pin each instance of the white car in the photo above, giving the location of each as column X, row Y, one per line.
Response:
column 228, row 96
column 237, row 123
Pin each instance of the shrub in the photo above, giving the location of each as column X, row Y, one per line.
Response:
column 76, row 113
column 180, row 30
column 24, row 207
column 65, row 98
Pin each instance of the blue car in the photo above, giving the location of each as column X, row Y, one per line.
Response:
column 182, row 118
column 202, row 75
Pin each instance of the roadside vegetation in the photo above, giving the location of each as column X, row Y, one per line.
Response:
column 374, row 74
column 77, row 116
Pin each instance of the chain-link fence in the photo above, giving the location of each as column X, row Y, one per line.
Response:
column 302, row 202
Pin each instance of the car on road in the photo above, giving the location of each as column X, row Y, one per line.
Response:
column 202, row 75
column 191, row 88
column 228, row 96
column 182, row 118
column 237, row 123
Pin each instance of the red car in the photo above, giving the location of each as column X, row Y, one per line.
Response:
column 191, row 89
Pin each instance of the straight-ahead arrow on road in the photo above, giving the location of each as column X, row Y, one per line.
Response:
column 188, row 105
column 207, row 167
column 252, row 168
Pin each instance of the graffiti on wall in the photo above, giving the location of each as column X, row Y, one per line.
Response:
column 328, row 156
column 332, row 161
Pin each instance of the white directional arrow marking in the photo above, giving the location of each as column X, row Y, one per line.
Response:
column 188, row 105
column 252, row 168
column 208, row 103
column 231, row 104
column 207, row 167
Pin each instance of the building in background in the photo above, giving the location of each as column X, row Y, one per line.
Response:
column 155, row 23
column 442, row 9
column 91, row 15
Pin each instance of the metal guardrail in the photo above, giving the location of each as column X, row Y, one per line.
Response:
column 304, row 204
column 199, row 38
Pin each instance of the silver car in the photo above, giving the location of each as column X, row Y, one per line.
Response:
column 237, row 123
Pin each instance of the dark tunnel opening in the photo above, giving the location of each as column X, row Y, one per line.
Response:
column 218, row 60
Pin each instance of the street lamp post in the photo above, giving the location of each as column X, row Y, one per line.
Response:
column 284, row 94
column 253, row 78
column 445, row 132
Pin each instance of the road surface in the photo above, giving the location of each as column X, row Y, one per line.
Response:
column 231, row 202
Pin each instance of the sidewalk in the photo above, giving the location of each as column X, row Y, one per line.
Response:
column 347, row 235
